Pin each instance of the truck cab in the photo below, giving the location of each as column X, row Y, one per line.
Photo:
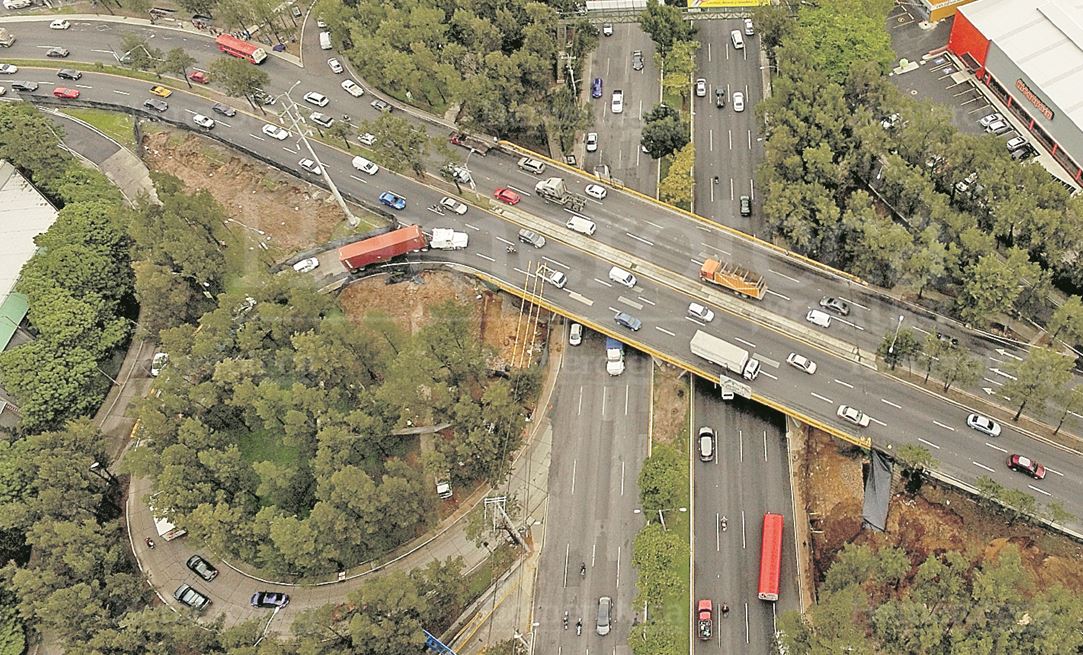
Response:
column 614, row 356
column 704, row 619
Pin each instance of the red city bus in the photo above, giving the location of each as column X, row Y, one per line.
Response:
column 770, row 556
column 231, row 45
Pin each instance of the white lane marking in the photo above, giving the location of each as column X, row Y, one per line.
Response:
column 354, row 177
column 123, row 93
column 826, row 400
column 521, row 271
column 747, row 343
column 878, row 422
column 485, row 256
column 256, row 136
column 579, row 411
column 603, row 282
column 664, row 330
column 763, row 372
column 1041, row 491
column 654, row 225
column 982, row 466
column 775, row 293
column 888, row 402
column 996, row 447
column 518, row 190
column 928, row 443
column 504, row 241
column 857, row 304
column 999, row 384
column 853, row 325
column 472, row 227
column 914, row 327
column 649, row 243
column 644, row 300
column 1002, row 373
column 629, row 302
column 845, row 384
column 697, row 322
column 791, row 279
column 1052, row 471
column 946, row 427
column 556, row 263
column 705, row 245
column 85, row 86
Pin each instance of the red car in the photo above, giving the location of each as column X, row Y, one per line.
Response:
column 1026, row 465
column 61, row 92
column 199, row 77
column 507, row 196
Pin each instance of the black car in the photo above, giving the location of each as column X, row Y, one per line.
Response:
column 225, row 110
column 57, row 52
column 719, row 98
column 637, row 60
column 947, row 339
column 270, row 599
column 380, row 105
column 746, row 206
column 156, row 104
column 69, row 74
column 201, row 567
column 25, row 86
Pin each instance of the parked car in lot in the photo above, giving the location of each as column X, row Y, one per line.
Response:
column 353, row 88
column 203, row 121
column 201, row 567
column 507, row 196
column 186, row 595
column 380, row 105
column 746, row 206
column 393, row 200
column 156, row 104
column 837, row 305
column 984, row 424
column 275, row 132
column 225, row 110
column 57, row 52
column 624, row 319
column 1015, row 142
column 317, row 99
column 996, row 127
column 1026, row 465
column 990, row 118
column 335, row 65
column 853, row 415
column 701, row 88
column 65, row 93
column 801, row 363
column 706, row 444
column 269, row 599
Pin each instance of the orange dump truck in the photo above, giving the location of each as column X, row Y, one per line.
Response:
column 737, row 279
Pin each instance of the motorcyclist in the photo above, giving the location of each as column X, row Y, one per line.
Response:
column 579, row 627
column 725, row 609
column 149, row 542
column 510, row 249
column 565, row 619
column 723, row 522
column 582, row 569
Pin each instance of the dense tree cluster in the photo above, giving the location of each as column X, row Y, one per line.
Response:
column 273, row 436
column 877, row 601
column 79, row 283
column 863, row 178
column 495, row 61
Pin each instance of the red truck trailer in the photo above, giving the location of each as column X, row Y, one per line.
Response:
column 770, row 557
column 235, row 47
column 381, row 248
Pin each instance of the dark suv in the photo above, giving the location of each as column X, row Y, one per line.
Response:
column 156, row 104
column 225, row 110
column 69, row 74
column 25, row 86
column 746, row 206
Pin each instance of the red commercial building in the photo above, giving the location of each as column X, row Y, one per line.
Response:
column 1030, row 55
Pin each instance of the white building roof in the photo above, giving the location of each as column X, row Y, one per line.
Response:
column 1045, row 40
column 24, row 214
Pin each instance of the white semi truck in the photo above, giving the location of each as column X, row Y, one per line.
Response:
column 734, row 359
column 447, row 239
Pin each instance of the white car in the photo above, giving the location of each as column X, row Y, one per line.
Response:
column 335, row 65
column 203, row 121
column 984, row 424
column 157, row 363
column 367, row 139
column 617, row 105
column 817, row 317
column 59, row 24
column 701, row 87
column 575, row 334
column 738, row 101
column 596, row 191
column 853, row 415
column 310, row 166
column 453, row 205
column 9, row 69
column 801, row 363
column 275, row 132
column 16, row 4
column 696, row 310
column 1015, row 143
column 996, row 126
column 353, row 88
column 307, row 265
column 990, row 118
column 592, row 141
column 317, row 99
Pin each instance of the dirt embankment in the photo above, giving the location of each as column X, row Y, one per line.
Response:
column 669, row 416
column 933, row 521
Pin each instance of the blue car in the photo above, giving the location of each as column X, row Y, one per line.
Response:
column 393, row 201
column 596, row 88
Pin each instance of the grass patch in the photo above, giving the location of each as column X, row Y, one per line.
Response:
column 368, row 222
column 266, row 446
column 117, row 126
column 499, row 563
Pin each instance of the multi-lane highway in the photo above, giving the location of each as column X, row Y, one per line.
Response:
column 600, row 427
column 748, row 477
column 641, row 233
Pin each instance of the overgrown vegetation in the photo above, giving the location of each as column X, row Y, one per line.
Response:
column 878, row 601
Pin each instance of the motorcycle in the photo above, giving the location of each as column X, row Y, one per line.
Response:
column 723, row 522
column 510, row 250
column 583, row 570
column 725, row 609
column 149, row 542
column 579, row 627
column 565, row 619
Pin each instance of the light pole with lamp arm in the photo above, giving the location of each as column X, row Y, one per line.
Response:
column 661, row 514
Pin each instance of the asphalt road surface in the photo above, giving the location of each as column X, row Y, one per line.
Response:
column 600, row 427
column 748, row 477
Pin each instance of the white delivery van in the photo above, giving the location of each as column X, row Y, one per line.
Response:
column 621, row 276
column 365, row 166
column 738, row 40
column 325, row 40
column 582, row 225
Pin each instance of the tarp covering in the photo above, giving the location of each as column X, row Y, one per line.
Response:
column 877, row 492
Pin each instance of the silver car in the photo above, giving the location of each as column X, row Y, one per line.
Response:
column 605, row 610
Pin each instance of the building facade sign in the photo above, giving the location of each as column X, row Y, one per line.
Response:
column 1038, row 103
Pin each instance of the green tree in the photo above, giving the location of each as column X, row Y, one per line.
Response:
column 1042, row 375
column 665, row 25
column 993, row 284
column 341, row 130
column 1068, row 319
column 135, row 51
column 928, row 262
column 402, row 146
column 177, row 61
column 664, row 137
column 915, row 457
column 958, row 367
column 837, row 36
column 898, row 347
column 678, row 66
column 1071, row 400
column 239, row 79
column 677, row 185
column 661, row 481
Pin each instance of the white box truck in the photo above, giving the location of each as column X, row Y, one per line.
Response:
column 730, row 357
column 444, row 238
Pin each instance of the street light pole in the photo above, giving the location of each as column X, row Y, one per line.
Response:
column 350, row 218
column 661, row 514
column 97, row 469
column 891, row 348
